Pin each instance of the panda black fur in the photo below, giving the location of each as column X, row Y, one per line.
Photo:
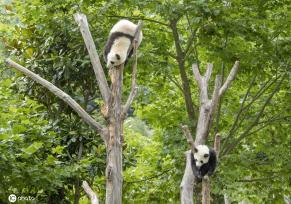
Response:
column 119, row 41
column 203, row 161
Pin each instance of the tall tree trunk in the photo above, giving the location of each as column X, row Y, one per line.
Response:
column 114, row 149
column 180, row 56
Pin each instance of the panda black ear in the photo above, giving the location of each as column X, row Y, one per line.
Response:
column 206, row 155
column 195, row 150
column 117, row 56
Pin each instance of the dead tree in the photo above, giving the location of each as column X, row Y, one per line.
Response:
column 113, row 111
column 205, row 119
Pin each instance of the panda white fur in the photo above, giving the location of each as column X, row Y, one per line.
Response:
column 119, row 41
column 203, row 161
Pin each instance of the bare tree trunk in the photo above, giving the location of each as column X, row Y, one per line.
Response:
column 187, row 184
column 114, row 149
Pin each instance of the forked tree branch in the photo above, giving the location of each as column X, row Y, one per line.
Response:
column 64, row 96
column 205, row 119
column 81, row 20
column 90, row 193
column 134, row 87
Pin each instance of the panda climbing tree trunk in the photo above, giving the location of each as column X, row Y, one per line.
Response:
column 205, row 119
column 113, row 111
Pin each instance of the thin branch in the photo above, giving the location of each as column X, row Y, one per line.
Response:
column 267, row 123
column 230, row 78
column 275, row 118
column 219, row 104
column 134, row 87
column 214, row 101
column 232, row 129
column 149, row 178
column 62, row 95
column 248, row 106
column 175, row 81
column 262, row 90
column 136, row 38
column 189, row 44
column 257, row 179
column 190, row 41
column 90, row 193
column 81, row 20
column 255, row 122
column 238, row 124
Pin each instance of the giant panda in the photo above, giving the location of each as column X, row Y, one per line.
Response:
column 119, row 41
column 203, row 161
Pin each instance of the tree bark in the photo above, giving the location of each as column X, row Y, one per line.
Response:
column 114, row 149
column 187, row 184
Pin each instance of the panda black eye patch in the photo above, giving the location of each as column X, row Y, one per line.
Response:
column 201, row 162
column 111, row 62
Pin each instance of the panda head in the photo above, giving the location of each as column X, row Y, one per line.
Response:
column 201, row 155
column 115, row 58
